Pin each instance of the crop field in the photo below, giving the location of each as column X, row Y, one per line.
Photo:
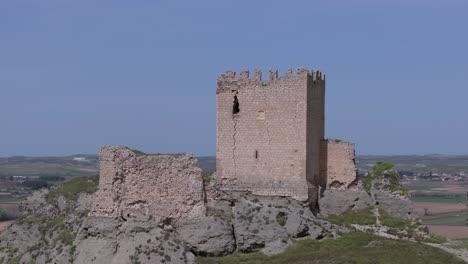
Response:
column 441, row 206
column 9, row 205
column 434, row 199
column 10, row 199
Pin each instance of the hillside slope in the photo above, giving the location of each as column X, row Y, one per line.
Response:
column 57, row 229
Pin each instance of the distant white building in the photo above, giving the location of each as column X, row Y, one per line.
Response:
column 80, row 159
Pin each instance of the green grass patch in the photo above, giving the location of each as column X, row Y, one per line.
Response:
column 70, row 189
column 460, row 243
column 49, row 225
column 282, row 218
column 14, row 260
column 356, row 247
column 458, row 219
column 420, row 188
column 66, row 237
column 434, row 199
column 387, row 220
column 434, row 239
column 361, row 217
column 10, row 199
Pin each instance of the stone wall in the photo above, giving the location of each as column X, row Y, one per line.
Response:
column 154, row 185
column 339, row 167
column 268, row 137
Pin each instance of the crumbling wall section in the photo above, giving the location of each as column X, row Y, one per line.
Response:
column 161, row 186
column 339, row 166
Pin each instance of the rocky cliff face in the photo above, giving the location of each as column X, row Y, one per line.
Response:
column 379, row 193
column 57, row 229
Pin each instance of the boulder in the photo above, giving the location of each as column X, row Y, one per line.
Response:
column 208, row 236
column 397, row 203
column 339, row 201
column 259, row 221
column 104, row 240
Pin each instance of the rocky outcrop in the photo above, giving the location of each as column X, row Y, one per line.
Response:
column 388, row 194
column 104, row 240
column 260, row 222
column 385, row 192
column 208, row 236
column 155, row 209
column 46, row 233
column 132, row 184
column 337, row 202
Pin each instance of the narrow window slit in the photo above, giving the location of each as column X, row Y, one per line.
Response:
column 235, row 106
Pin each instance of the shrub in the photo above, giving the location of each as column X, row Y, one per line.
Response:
column 209, row 178
column 70, row 189
column 377, row 171
column 282, row 218
column 51, row 178
column 9, row 215
column 35, row 184
column 380, row 166
column 66, row 237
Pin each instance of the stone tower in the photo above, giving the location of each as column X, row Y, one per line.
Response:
column 270, row 132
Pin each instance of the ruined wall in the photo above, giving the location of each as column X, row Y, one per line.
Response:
column 339, row 167
column 153, row 185
column 262, row 131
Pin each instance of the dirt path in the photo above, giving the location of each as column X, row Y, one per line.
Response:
column 461, row 253
column 376, row 213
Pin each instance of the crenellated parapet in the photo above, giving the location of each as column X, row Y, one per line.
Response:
column 231, row 78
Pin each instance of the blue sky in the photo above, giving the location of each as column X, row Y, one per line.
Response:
column 75, row 75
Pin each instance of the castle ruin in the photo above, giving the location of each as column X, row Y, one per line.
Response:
column 270, row 141
column 270, row 136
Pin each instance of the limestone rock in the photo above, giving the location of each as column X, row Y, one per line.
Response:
column 339, row 201
column 208, row 236
column 258, row 221
column 104, row 240
column 396, row 203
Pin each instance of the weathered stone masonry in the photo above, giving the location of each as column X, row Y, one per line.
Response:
column 338, row 165
column 269, row 132
column 162, row 186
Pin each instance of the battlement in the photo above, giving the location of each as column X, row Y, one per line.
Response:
column 244, row 76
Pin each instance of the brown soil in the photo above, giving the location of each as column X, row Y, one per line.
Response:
column 438, row 208
column 449, row 231
column 9, row 206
